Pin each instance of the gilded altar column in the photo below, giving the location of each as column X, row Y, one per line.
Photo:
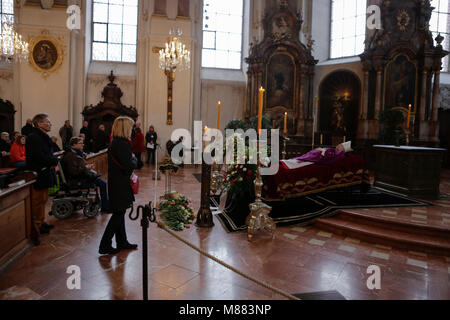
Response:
column 378, row 94
column 436, row 96
column 365, row 104
column 423, row 95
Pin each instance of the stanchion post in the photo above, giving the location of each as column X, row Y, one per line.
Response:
column 204, row 216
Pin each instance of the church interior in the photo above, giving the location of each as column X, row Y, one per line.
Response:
column 363, row 82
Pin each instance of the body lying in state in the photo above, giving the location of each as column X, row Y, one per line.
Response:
column 319, row 156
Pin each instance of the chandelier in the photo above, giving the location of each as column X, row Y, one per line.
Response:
column 174, row 56
column 11, row 44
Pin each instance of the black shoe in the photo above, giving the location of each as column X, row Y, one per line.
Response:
column 127, row 246
column 48, row 226
column 44, row 230
column 109, row 250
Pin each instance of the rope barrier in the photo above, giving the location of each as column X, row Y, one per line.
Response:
column 261, row 283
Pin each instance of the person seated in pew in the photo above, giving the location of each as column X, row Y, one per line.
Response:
column 17, row 156
column 75, row 168
column 5, row 144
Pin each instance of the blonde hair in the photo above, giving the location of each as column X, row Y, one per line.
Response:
column 122, row 127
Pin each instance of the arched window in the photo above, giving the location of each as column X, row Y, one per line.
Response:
column 348, row 28
column 114, row 30
column 222, row 34
column 440, row 23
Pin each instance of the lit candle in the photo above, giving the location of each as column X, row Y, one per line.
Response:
column 409, row 117
column 285, row 122
column 261, row 97
column 218, row 115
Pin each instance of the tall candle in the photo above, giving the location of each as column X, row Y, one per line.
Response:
column 409, row 117
column 218, row 115
column 285, row 122
column 321, row 139
column 260, row 110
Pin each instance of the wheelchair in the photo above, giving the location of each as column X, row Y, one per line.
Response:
column 73, row 196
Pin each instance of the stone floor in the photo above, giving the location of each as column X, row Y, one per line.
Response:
column 300, row 259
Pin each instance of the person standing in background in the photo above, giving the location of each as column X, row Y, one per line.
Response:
column 87, row 137
column 101, row 140
column 66, row 133
column 5, row 144
column 27, row 128
column 150, row 142
column 138, row 146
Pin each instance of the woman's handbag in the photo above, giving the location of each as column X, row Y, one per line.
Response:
column 134, row 179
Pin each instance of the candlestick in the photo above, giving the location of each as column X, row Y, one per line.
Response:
column 285, row 123
column 260, row 110
column 409, row 117
column 316, row 103
column 218, row 115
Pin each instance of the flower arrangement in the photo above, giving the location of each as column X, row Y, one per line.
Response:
column 177, row 213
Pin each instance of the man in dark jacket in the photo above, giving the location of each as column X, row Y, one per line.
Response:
column 5, row 144
column 66, row 133
column 40, row 158
column 87, row 137
column 28, row 128
column 75, row 168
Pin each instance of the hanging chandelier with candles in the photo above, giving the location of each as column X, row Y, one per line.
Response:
column 174, row 56
column 12, row 46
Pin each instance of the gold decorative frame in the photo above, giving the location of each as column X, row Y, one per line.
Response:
column 54, row 58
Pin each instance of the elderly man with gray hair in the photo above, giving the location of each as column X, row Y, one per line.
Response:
column 5, row 144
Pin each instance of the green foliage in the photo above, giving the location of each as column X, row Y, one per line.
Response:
column 177, row 213
column 237, row 124
column 266, row 124
column 391, row 121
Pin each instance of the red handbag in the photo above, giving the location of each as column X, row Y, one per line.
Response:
column 134, row 179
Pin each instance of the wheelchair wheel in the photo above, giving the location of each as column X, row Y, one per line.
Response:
column 62, row 209
column 92, row 210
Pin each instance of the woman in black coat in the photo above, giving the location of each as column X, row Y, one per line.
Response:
column 121, row 164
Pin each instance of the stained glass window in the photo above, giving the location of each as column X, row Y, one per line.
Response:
column 114, row 30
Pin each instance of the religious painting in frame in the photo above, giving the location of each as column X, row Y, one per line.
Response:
column 46, row 53
column 400, row 83
column 280, row 81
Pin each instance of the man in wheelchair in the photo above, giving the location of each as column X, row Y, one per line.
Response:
column 79, row 174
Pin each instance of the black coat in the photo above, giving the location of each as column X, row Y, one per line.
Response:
column 120, row 194
column 101, row 141
column 151, row 138
column 27, row 129
column 40, row 158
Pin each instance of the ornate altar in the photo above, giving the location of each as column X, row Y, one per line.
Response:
column 285, row 68
column 109, row 109
column 7, row 116
column 402, row 67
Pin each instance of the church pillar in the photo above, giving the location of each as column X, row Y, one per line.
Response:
column 365, row 103
column 301, row 113
column 436, row 96
column 423, row 95
column 378, row 94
